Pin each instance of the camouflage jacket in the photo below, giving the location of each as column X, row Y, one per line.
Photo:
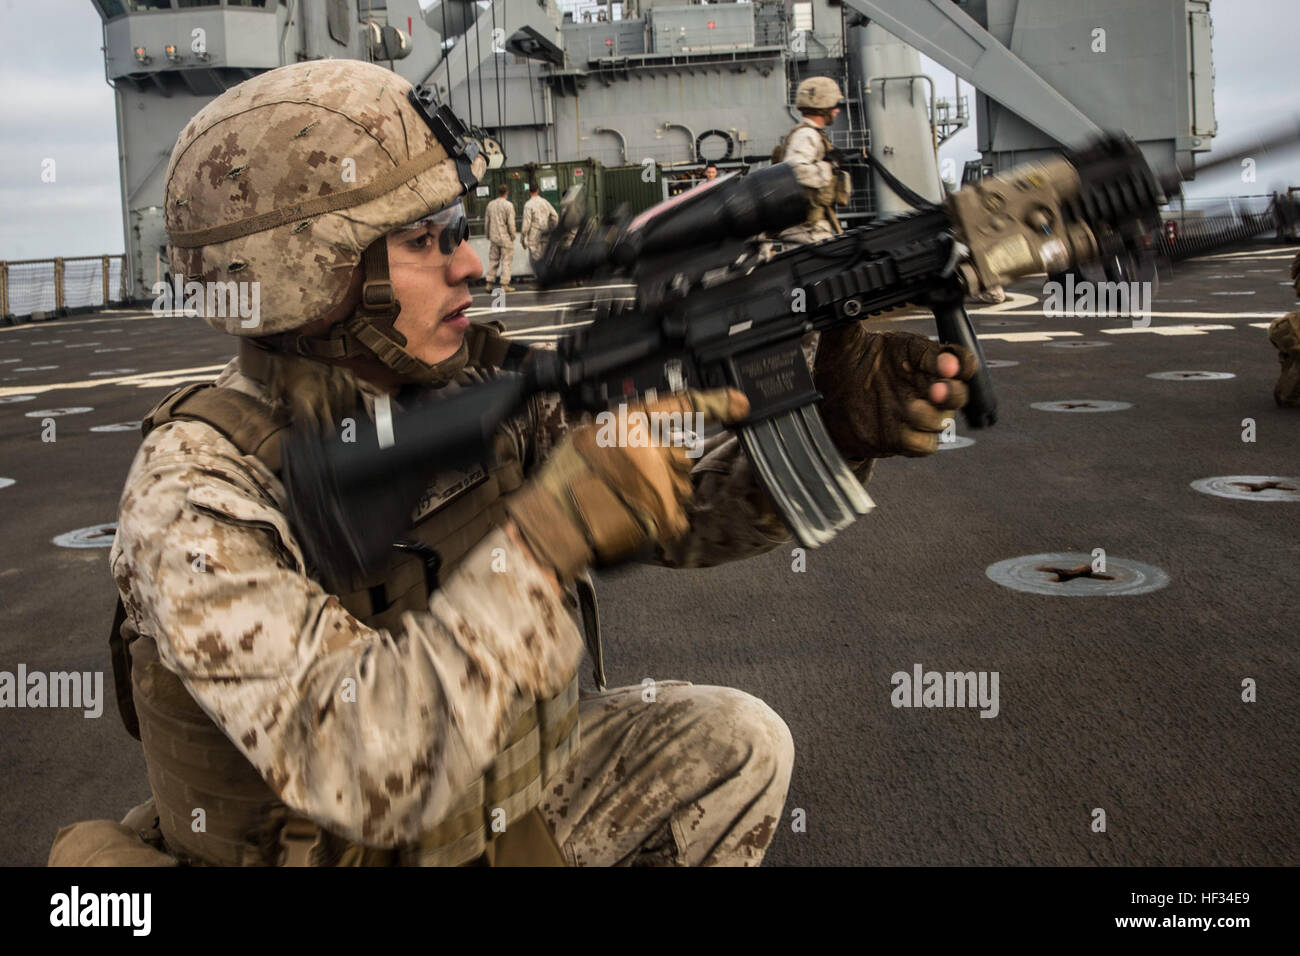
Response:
column 499, row 221
column 208, row 567
column 540, row 217
column 805, row 150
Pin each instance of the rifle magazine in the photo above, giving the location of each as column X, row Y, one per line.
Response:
column 807, row 479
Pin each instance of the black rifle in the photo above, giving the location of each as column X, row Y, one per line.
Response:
column 709, row 312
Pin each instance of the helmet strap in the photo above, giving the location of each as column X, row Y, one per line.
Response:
column 370, row 334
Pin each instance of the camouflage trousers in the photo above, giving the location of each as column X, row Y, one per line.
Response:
column 1284, row 333
column 534, row 245
column 697, row 776
column 674, row 775
column 500, row 262
column 803, row 234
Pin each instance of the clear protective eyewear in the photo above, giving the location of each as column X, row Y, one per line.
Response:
column 448, row 227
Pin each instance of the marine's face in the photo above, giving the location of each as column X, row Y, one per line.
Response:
column 711, row 172
column 431, row 279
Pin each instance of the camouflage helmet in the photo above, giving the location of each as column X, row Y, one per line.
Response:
column 287, row 178
column 818, row 93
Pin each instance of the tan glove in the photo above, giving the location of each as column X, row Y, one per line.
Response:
column 591, row 501
column 876, row 387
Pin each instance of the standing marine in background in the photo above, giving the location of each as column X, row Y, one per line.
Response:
column 1284, row 333
column 808, row 149
column 499, row 224
column 540, row 218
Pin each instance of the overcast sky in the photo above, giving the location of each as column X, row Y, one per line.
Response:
column 57, row 105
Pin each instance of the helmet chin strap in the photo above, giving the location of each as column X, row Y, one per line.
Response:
column 372, row 326
column 369, row 333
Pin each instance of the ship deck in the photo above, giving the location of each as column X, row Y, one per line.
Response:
column 1131, row 703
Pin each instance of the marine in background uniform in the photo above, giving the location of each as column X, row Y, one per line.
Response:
column 540, row 218
column 499, row 224
column 1284, row 333
column 398, row 720
column 808, row 150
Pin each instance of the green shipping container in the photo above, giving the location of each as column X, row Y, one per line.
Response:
column 555, row 179
column 627, row 184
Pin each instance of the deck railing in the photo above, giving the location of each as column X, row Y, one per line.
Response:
column 41, row 288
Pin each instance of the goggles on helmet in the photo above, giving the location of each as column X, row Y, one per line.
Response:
column 448, row 228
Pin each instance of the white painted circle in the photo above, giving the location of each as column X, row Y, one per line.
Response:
column 6, row 482
column 96, row 536
column 1126, row 577
column 117, row 427
column 1238, row 487
column 15, row 399
column 958, row 441
column 1190, row 376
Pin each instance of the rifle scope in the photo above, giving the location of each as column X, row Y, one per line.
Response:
column 767, row 200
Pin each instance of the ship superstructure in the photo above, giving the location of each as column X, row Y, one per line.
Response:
column 662, row 87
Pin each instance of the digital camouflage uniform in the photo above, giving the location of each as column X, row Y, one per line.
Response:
column 805, row 151
column 225, row 622
column 540, row 218
column 499, row 223
column 264, row 649
column 1284, row 333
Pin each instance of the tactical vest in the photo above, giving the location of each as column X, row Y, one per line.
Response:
column 821, row 202
column 193, row 764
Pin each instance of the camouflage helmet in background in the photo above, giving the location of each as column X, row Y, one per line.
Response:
column 287, row 178
column 818, row 93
